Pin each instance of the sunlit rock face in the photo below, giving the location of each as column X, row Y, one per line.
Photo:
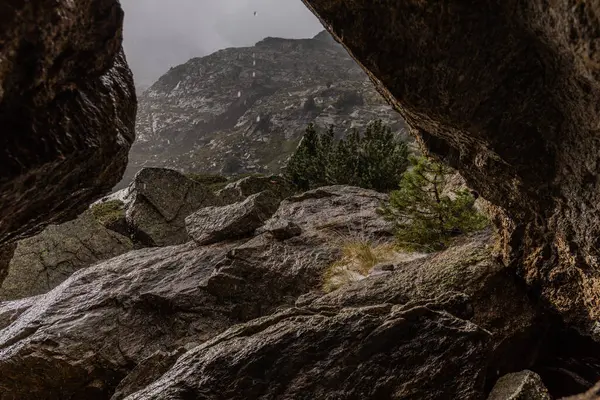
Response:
column 245, row 109
column 508, row 92
column 67, row 110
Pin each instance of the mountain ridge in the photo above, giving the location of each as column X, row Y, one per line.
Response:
column 244, row 109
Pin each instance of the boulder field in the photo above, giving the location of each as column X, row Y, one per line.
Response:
column 223, row 295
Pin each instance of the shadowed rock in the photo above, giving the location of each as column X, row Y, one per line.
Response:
column 592, row 394
column 499, row 303
column 508, row 92
column 67, row 110
column 6, row 254
column 379, row 352
column 146, row 372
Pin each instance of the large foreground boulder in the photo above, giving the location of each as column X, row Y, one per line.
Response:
column 83, row 337
column 88, row 333
column 159, row 201
column 508, row 92
column 42, row 262
column 387, row 337
column 379, row 352
column 67, row 110
column 409, row 334
column 592, row 394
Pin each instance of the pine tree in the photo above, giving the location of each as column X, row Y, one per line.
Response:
column 381, row 159
column 344, row 160
column 425, row 218
column 375, row 160
column 327, row 147
column 306, row 167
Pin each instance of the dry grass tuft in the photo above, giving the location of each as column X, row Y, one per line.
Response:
column 357, row 260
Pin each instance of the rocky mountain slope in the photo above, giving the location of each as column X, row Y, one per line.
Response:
column 244, row 109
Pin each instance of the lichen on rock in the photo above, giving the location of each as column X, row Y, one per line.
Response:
column 42, row 262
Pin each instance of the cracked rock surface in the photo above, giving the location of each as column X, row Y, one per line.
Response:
column 350, row 353
column 213, row 224
column 159, row 201
column 41, row 262
column 87, row 334
column 382, row 337
column 67, row 110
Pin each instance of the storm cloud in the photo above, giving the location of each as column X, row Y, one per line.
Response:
column 159, row 34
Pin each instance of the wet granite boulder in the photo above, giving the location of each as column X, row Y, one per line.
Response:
column 377, row 352
column 158, row 202
column 213, row 224
column 42, row 262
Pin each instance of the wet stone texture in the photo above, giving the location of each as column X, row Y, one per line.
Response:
column 158, row 202
column 111, row 328
column 67, row 110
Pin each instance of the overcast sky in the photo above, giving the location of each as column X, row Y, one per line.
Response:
column 164, row 33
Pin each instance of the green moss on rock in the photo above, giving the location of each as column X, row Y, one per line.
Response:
column 207, row 179
column 109, row 213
